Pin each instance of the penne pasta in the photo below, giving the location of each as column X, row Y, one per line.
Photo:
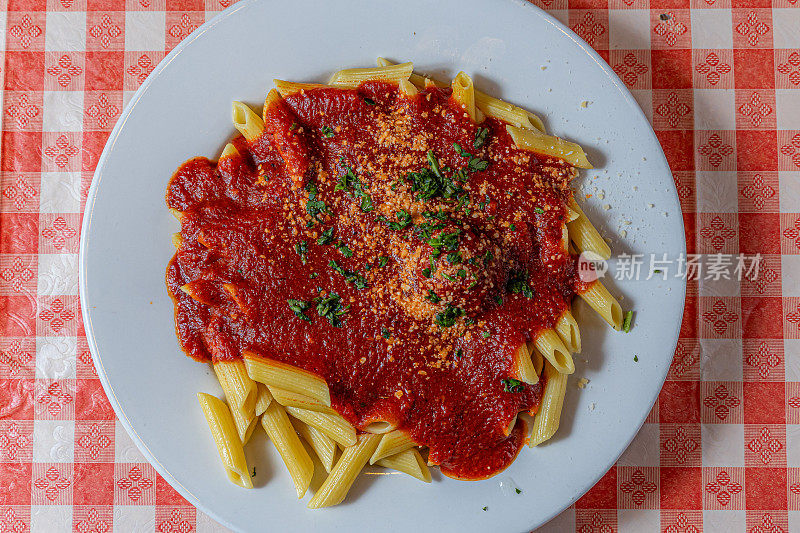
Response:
column 288, row 88
column 409, row 462
column 294, row 399
column 546, row 421
column 583, row 233
column 488, row 105
column 500, row 110
column 392, row 443
column 294, row 455
column 523, row 368
column 552, row 348
column 334, row 426
column 249, row 124
column 538, row 142
column 338, row 483
column 408, row 88
column 464, row 93
column 223, row 430
column 599, row 299
column 287, row 377
column 263, row 398
column 353, row 77
column 241, row 393
column 323, row 446
column 567, row 328
column 380, row 427
column 229, row 151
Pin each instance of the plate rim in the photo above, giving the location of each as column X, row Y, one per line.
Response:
column 98, row 175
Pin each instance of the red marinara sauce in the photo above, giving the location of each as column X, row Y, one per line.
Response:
column 390, row 245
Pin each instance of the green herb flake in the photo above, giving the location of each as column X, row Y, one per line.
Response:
column 460, row 151
column 327, row 131
column 366, row 203
column 448, row 317
column 403, row 221
column 512, row 227
column 538, row 210
column 298, row 306
column 477, row 165
column 385, row 333
column 325, row 237
column 369, row 101
column 480, row 137
column 344, row 250
column 426, row 272
column 293, row 126
column 518, row 284
column 433, row 297
column 454, row 258
column 486, row 334
column 301, row 248
column 383, row 261
column 635, row 358
column 485, row 508
column 330, row 308
column 519, row 491
column 254, row 472
column 512, row 385
column 626, row 324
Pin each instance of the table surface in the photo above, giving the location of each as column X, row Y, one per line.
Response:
column 720, row 82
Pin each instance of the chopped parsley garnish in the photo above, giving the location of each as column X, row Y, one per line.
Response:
column 366, row 202
column 480, row 137
column 431, row 182
column 330, row 308
column 461, row 273
column 403, row 220
column 315, row 207
column 635, row 358
column 485, row 508
column 385, row 333
column 454, row 258
column 327, row 131
column 298, row 306
column 626, row 324
column 486, row 334
column 438, row 215
column 460, row 151
column 433, row 297
column 350, row 277
column 350, row 183
column 477, row 165
column 326, row 237
column 302, row 250
column 383, row 261
column 346, row 180
column 254, row 472
column 512, row 385
column 448, row 317
column 519, row 491
column 538, row 210
column 518, row 284
column 657, row 271
column 344, row 250
column 293, row 126
column 445, row 242
column 369, row 101
column 498, row 300
column 313, row 275
column 426, row 272
column 512, row 227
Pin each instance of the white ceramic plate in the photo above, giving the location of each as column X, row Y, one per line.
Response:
column 183, row 109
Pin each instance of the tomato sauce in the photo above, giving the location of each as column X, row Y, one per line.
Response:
column 390, row 245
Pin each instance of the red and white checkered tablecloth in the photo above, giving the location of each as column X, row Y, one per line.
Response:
column 720, row 81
